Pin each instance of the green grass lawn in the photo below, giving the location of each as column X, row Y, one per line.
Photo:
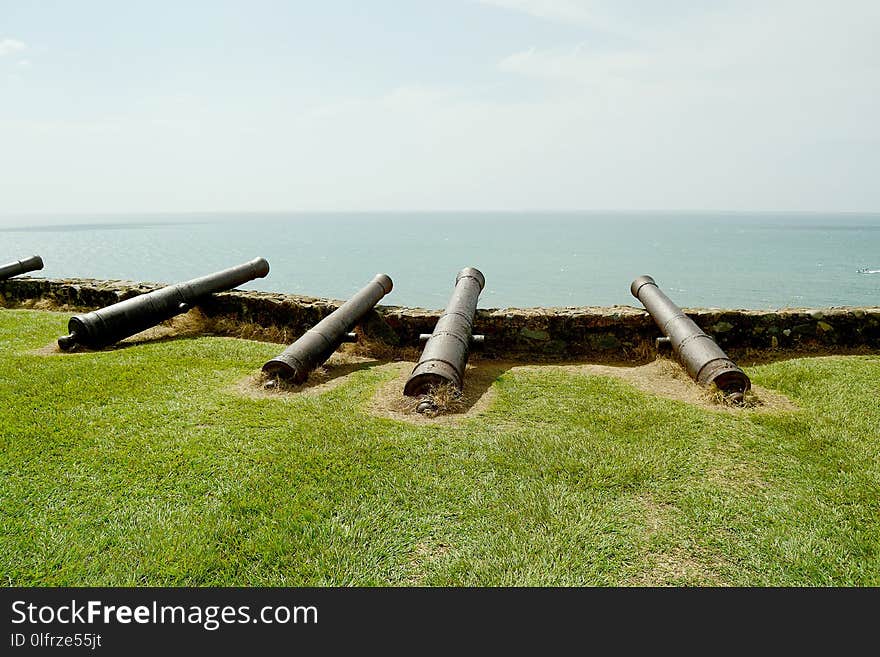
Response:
column 144, row 466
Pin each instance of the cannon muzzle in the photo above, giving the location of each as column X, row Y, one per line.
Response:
column 34, row 263
column 446, row 352
column 703, row 359
column 109, row 325
column 317, row 344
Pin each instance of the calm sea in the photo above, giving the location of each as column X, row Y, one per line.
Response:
column 529, row 259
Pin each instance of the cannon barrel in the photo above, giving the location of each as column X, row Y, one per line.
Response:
column 703, row 359
column 315, row 345
column 446, row 352
column 121, row 320
column 33, row 263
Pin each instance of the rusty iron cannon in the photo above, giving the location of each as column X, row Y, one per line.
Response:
column 34, row 263
column 316, row 345
column 109, row 325
column 697, row 351
column 446, row 351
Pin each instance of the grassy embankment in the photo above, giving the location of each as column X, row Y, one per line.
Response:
column 147, row 465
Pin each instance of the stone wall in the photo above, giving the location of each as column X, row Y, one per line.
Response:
column 616, row 332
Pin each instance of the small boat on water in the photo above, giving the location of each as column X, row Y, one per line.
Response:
column 865, row 270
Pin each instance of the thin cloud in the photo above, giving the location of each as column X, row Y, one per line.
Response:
column 11, row 46
column 753, row 104
column 583, row 13
column 781, row 46
column 568, row 11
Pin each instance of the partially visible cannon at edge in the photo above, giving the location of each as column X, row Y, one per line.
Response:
column 109, row 325
column 703, row 359
column 317, row 344
column 446, row 352
column 34, row 263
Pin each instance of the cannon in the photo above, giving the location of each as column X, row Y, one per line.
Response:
column 315, row 346
column 703, row 359
column 109, row 325
column 33, row 263
column 446, row 350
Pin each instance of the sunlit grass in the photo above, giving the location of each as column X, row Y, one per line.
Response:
column 145, row 465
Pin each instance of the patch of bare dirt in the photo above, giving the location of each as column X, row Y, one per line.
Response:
column 423, row 555
column 663, row 377
column 331, row 375
column 50, row 349
column 674, row 565
column 656, row 514
column 666, row 378
column 390, row 402
column 189, row 325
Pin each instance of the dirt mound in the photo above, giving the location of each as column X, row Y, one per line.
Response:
column 331, row 375
column 666, row 378
column 390, row 402
column 190, row 324
column 663, row 377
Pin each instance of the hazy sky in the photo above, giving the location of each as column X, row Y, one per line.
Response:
column 110, row 106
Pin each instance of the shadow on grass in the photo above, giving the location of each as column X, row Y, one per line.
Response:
column 151, row 336
column 188, row 326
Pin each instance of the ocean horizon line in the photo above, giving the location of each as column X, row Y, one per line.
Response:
column 588, row 211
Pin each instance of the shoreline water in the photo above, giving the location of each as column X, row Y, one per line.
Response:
column 726, row 259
